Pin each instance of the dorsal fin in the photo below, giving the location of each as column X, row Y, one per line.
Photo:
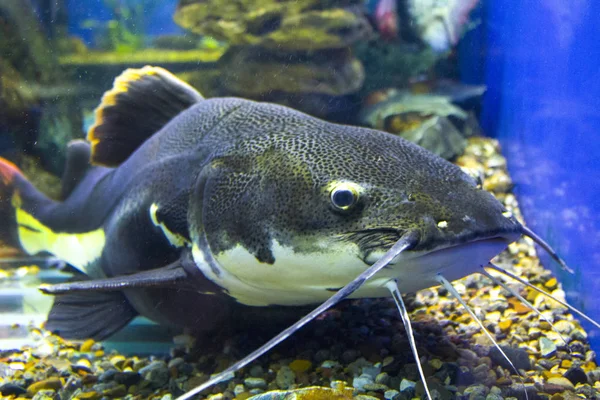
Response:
column 77, row 164
column 139, row 104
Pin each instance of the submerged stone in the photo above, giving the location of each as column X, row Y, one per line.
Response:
column 547, row 347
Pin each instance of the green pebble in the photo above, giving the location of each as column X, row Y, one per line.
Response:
column 547, row 347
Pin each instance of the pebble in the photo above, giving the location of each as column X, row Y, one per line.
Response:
column 405, row 384
column 87, row 346
column 257, row 371
column 359, row 382
column 117, row 391
column 349, row 356
column 330, row 364
column 50, row 383
column 505, row 325
column 10, row 389
column 300, row 366
column 46, row 395
column 387, row 361
column 175, row 362
column 17, row 366
column 576, row 375
column 128, row 378
column 117, row 360
column 375, row 387
column 561, row 381
column 239, row 389
column 107, row 376
column 551, row 283
column 372, row 371
column 91, row 395
column 285, row 377
column 518, row 356
column 547, row 347
column 382, row 378
column 563, row 326
column 156, row 373
column 255, row 383
column 391, row 394
column 477, row 391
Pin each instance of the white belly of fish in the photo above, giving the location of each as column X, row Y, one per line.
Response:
column 300, row 279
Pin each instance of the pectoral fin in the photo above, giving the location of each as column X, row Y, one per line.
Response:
column 181, row 274
column 169, row 276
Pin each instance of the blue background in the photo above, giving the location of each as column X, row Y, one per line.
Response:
column 158, row 22
column 541, row 62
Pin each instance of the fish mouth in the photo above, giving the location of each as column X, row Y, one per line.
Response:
column 415, row 270
column 375, row 243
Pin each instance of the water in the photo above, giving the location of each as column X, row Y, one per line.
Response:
column 526, row 75
column 542, row 104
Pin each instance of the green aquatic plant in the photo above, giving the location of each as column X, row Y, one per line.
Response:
column 125, row 32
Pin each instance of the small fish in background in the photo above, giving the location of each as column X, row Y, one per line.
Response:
column 440, row 23
column 386, row 19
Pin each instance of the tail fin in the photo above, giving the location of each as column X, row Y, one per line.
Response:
column 9, row 174
column 17, row 193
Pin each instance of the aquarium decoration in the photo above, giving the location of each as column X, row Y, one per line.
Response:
column 124, row 32
column 290, row 52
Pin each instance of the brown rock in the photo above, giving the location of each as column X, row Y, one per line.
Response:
column 50, row 383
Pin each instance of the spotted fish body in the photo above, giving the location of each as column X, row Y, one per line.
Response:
column 248, row 191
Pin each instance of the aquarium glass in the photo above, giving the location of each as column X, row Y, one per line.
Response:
column 410, row 187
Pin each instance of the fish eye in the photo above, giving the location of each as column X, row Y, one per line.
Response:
column 344, row 196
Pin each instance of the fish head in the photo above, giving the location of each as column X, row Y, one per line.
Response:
column 299, row 213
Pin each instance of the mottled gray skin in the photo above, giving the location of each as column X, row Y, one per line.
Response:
column 246, row 173
column 269, row 171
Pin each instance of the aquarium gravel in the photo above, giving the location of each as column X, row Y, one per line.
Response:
column 359, row 348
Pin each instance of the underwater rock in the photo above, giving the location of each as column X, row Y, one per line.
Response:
column 50, row 383
column 10, row 389
column 547, row 347
column 282, row 25
column 561, row 382
column 290, row 52
column 392, row 64
column 252, row 71
column 518, row 356
column 576, row 375
column 285, row 377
